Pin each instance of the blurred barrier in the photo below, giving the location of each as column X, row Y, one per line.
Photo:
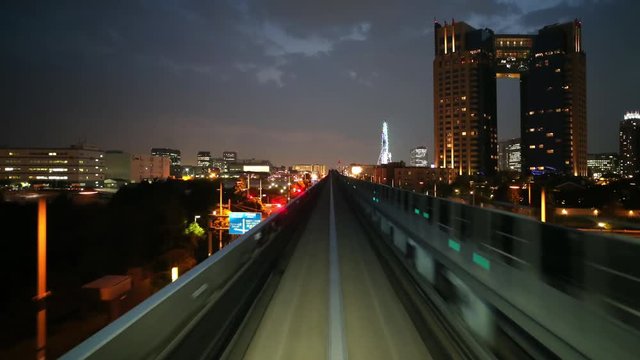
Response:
column 164, row 325
column 554, row 291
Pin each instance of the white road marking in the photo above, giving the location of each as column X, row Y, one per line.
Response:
column 337, row 348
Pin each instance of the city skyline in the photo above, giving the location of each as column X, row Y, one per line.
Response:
column 181, row 75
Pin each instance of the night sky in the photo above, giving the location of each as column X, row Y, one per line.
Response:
column 286, row 80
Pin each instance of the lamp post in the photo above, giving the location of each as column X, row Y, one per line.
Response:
column 543, row 206
column 219, row 230
column 42, row 293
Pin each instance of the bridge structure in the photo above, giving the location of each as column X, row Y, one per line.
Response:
column 357, row 270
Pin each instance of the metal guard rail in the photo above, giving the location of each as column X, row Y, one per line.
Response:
column 559, row 291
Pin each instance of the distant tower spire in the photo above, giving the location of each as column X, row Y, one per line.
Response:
column 385, row 155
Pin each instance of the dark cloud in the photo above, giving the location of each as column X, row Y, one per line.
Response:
column 288, row 80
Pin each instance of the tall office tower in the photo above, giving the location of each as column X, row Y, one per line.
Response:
column 419, row 157
column 204, row 160
column 551, row 67
column 464, row 82
column 630, row 144
column 174, row 156
column 602, row 164
column 509, row 155
column 553, row 97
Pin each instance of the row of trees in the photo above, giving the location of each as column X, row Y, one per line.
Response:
column 140, row 226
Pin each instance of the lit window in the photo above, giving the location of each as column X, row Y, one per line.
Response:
column 541, row 146
column 550, row 151
column 463, row 98
column 557, row 70
column 52, row 154
column 464, row 133
column 532, row 146
column 549, row 134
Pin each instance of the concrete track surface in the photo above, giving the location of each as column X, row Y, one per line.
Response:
column 369, row 321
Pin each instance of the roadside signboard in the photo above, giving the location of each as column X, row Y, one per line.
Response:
column 241, row 222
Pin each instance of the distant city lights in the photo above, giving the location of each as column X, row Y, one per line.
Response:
column 632, row 115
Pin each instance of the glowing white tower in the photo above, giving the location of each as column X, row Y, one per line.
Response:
column 385, row 155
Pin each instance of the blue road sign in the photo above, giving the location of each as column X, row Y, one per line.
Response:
column 241, row 222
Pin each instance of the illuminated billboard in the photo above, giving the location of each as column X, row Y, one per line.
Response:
column 256, row 168
column 241, row 222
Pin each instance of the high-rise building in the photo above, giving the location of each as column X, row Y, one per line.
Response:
column 117, row 165
column 204, row 160
column 174, row 156
column 464, row 92
column 230, row 156
column 145, row 167
column 509, row 158
column 602, row 164
column 120, row 165
column 76, row 165
column 553, row 99
column 419, row 157
column 551, row 68
column 219, row 164
column 630, row 144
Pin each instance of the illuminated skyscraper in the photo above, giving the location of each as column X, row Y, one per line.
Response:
column 464, row 83
column 630, row 144
column 551, row 68
column 230, row 156
column 174, row 156
column 509, row 155
column 419, row 157
column 204, row 160
column 553, row 99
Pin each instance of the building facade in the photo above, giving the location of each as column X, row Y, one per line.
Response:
column 418, row 157
column 465, row 108
column 230, row 156
column 149, row 167
column 117, row 165
column 629, row 142
column 204, row 160
column 551, row 68
column 121, row 165
column 175, row 158
column 553, row 96
column 602, row 164
column 509, row 155
column 318, row 169
column 58, row 167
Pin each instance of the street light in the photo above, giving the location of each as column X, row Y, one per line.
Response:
column 42, row 293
